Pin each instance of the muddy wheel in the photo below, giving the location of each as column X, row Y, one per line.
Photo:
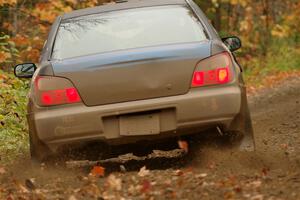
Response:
column 240, row 133
column 38, row 151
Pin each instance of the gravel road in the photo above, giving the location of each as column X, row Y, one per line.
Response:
column 209, row 171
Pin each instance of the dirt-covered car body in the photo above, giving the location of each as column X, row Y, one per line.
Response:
column 121, row 92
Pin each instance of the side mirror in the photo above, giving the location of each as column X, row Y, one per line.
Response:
column 233, row 43
column 25, row 70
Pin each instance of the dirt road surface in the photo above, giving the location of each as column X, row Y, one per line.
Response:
column 209, row 171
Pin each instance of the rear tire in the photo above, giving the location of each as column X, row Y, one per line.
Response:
column 39, row 152
column 240, row 132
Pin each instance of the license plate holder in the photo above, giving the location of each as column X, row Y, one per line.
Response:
column 135, row 125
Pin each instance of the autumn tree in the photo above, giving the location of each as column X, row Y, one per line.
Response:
column 259, row 23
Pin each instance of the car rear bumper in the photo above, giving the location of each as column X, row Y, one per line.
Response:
column 178, row 115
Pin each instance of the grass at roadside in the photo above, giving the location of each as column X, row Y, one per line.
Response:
column 13, row 128
column 281, row 62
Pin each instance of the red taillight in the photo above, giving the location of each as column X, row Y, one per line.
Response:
column 212, row 71
column 55, row 91
column 223, row 75
column 72, row 95
column 48, row 98
column 198, row 79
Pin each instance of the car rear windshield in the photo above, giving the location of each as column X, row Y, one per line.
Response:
column 126, row 29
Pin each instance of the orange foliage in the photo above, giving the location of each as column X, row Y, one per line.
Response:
column 25, row 27
column 7, row 26
column 44, row 11
column 4, row 56
column 7, row 2
column 21, row 40
column 98, row 171
column 28, row 24
column 183, row 145
column 31, row 55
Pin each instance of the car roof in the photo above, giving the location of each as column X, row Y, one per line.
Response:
column 122, row 5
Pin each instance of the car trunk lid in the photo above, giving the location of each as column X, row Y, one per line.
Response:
column 135, row 74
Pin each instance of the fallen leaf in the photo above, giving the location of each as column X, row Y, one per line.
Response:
column 203, row 175
column 238, row 189
column 98, row 171
column 72, row 197
column 229, row 195
column 21, row 188
column 143, row 172
column 146, row 186
column 256, row 184
column 2, row 170
column 178, row 172
column 114, row 182
column 168, row 182
column 29, row 183
column 284, row 146
column 183, row 145
column 265, row 171
column 122, row 168
column 131, row 190
column 211, row 165
column 10, row 197
column 90, row 189
column 257, row 197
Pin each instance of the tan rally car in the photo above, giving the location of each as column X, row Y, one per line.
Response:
column 133, row 71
